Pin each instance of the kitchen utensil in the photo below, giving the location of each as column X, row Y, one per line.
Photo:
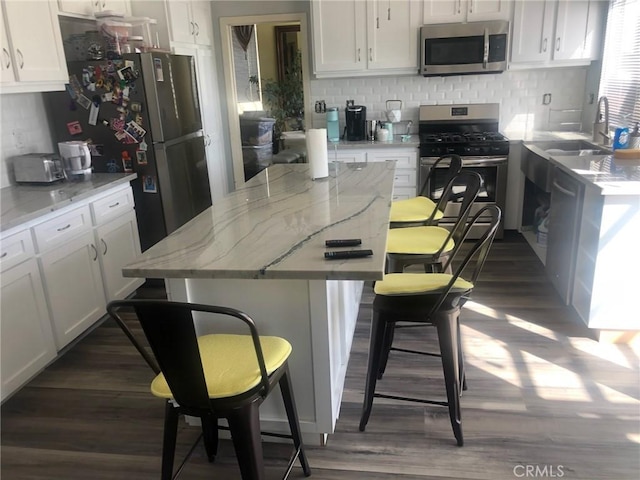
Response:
column 37, row 168
column 76, row 158
column 394, row 114
column 372, row 126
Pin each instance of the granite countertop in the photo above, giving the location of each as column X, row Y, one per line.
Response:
column 22, row 203
column 275, row 226
column 611, row 176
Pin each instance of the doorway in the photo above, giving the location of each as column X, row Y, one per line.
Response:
column 299, row 20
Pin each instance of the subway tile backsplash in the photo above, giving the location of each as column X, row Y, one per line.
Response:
column 23, row 129
column 520, row 94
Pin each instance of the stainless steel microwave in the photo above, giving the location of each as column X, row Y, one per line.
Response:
column 463, row 48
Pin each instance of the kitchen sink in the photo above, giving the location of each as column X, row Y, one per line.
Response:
column 535, row 158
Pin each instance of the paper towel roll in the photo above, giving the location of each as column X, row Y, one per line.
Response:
column 317, row 152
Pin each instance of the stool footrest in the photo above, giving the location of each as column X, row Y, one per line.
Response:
column 406, row 350
column 410, row 399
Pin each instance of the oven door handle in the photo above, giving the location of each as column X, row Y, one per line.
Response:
column 483, row 162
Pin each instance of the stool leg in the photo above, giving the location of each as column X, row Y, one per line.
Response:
column 294, row 423
column 463, row 375
column 376, row 346
column 389, row 331
column 210, row 436
column 171, row 416
column 244, row 424
column 448, row 339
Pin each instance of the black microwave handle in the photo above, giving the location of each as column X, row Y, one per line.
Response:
column 485, row 58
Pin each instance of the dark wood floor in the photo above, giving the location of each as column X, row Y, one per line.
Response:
column 544, row 398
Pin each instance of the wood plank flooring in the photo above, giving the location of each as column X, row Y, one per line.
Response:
column 544, row 400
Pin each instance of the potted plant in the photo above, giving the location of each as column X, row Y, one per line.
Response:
column 284, row 99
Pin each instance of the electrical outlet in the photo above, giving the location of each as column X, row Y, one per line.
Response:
column 18, row 141
column 546, row 99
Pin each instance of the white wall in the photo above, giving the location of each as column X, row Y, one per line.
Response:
column 23, row 129
column 518, row 92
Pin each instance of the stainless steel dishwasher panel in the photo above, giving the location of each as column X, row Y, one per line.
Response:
column 567, row 196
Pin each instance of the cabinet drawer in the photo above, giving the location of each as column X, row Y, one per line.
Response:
column 112, row 206
column 15, row 249
column 62, row 228
column 402, row 159
column 404, row 178
column 402, row 193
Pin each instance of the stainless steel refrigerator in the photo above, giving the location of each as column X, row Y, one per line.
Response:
column 140, row 114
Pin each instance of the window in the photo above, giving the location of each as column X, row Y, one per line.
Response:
column 620, row 78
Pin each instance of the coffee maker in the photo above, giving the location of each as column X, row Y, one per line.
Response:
column 356, row 120
column 76, row 159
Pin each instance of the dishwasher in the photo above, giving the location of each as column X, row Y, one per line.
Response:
column 567, row 194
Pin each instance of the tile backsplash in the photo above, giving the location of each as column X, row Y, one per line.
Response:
column 23, row 129
column 519, row 93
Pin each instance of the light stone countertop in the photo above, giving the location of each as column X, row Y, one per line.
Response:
column 22, row 203
column 275, row 226
column 413, row 141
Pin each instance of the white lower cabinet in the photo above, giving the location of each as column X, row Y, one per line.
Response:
column 405, row 180
column 58, row 273
column 25, row 330
column 118, row 245
column 73, row 285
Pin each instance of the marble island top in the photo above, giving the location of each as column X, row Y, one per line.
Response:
column 275, row 227
column 22, row 203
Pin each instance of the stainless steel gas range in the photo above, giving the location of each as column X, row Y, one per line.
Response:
column 470, row 131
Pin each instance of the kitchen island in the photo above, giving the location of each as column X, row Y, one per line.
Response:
column 261, row 250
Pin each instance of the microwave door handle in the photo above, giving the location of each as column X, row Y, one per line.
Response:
column 485, row 58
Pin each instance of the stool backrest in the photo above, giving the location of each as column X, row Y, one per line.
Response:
column 170, row 331
column 471, row 182
column 454, row 168
column 470, row 266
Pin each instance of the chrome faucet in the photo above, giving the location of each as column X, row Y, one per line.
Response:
column 601, row 129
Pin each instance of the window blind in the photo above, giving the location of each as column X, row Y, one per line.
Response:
column 620, row 78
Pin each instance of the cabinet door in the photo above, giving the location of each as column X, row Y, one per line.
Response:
column 36, row 41
column 119, row 245
column 120, row 6
column 339, row 35
column 25, row 330
column 444, row 11
column 571, row 30
column 73, row 286
column 480, row 10
column 392, row 35
column 532, row 39
column 6, row 74
column 201, row 17
column 182, row 27
column 79, row 7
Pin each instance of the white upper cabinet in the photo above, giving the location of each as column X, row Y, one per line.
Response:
column 454, row 11
column 365, row 38
column 91, row 7
column 179, row 22
column 557, row 32
column 32, row 47
column 6, row 75
column 190, row 22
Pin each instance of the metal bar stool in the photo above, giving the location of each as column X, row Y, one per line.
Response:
column 428, row 298
column 422, row 210
column 213, row 376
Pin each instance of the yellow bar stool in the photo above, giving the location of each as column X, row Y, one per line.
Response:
column 213, row 376
column 427, row 298
column 422, row 210
column 431, row 245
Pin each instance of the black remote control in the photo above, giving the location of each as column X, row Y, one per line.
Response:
column 340, row 254
column 346, row 242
